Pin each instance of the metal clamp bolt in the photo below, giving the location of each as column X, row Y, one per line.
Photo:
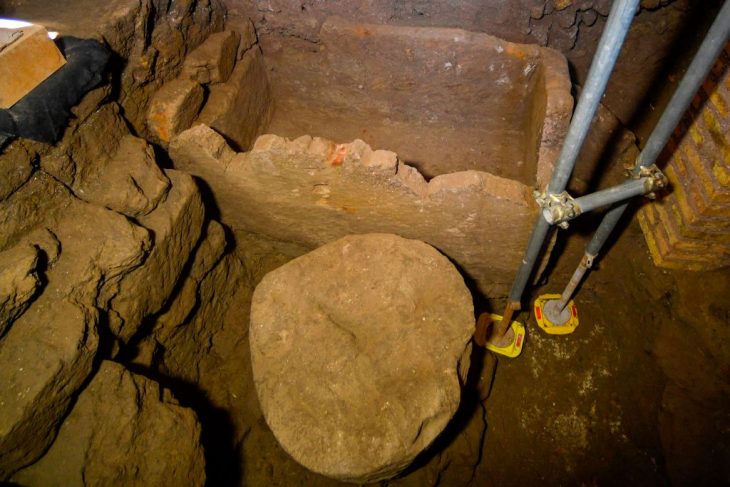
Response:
column 654, row 178
column 558, row 209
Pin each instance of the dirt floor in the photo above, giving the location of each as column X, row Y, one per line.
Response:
column 606, row 405
column 582, row 408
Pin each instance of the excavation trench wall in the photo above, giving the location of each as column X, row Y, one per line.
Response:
column 445, row 100
column 114, row 276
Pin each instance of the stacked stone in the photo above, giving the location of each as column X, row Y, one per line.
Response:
column 96, row 241
column 209, row 90
column 690, row 227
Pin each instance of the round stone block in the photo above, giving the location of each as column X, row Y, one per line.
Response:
column 359, row 349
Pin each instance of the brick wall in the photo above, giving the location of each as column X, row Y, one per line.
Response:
column 689, row 228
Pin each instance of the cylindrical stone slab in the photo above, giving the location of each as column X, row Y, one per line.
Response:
column 359, row 349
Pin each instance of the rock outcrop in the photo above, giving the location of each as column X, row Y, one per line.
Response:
column 123, row 430
column 94, row 237
column 359, row 349
column 176, row 225
column 48, row 351
column 18, row 282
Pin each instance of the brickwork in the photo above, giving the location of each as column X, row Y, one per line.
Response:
column 689, row 228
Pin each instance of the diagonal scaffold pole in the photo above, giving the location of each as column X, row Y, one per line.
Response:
column 614, row 34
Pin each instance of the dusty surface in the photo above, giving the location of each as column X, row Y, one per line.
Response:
column 358, row 351
column 637, row 396
column 311, row 191
column 123, row 430
column 445, row 99
column 618, row 401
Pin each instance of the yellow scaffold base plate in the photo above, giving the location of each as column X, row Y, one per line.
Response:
column 513, row 349
column 569, row 316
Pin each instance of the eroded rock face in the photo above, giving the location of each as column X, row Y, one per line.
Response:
column 241, row 107
column 77, row 220
column 123, row 430
column 18, row 282
column 177, row 224
column 358, row 350
column 213, row 61
column 139, row 184
column 16, row 168
column 312, row 191
column 47, row 353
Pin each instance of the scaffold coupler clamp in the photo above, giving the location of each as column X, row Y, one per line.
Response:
column 557, row 209
column 654, row 179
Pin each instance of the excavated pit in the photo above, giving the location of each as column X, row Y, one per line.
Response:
column 221, row 146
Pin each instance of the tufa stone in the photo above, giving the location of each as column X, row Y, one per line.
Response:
column 18, row 283
column 173, row 108
column 123, row 430
column 311, row 191
column 176, row 225
column 358, row 351
column 139, row 184
column 213, row 60
column 48, row 353
column 239, row 108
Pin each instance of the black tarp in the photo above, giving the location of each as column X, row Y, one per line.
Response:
column 43, row 113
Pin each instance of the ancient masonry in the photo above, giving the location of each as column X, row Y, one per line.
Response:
column 115, row 281
column 100, row 247
column 690, row 227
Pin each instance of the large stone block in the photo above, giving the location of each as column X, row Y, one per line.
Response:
column 240, row 109
column 176, row 225
column 312, row 191
column 48, row 353
column 214, row 59
column 188, row 351
column 173, row 108
column 139, row 184
column 209, row 251
column 45, row 357
column 123, row 430
column 359, row 349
